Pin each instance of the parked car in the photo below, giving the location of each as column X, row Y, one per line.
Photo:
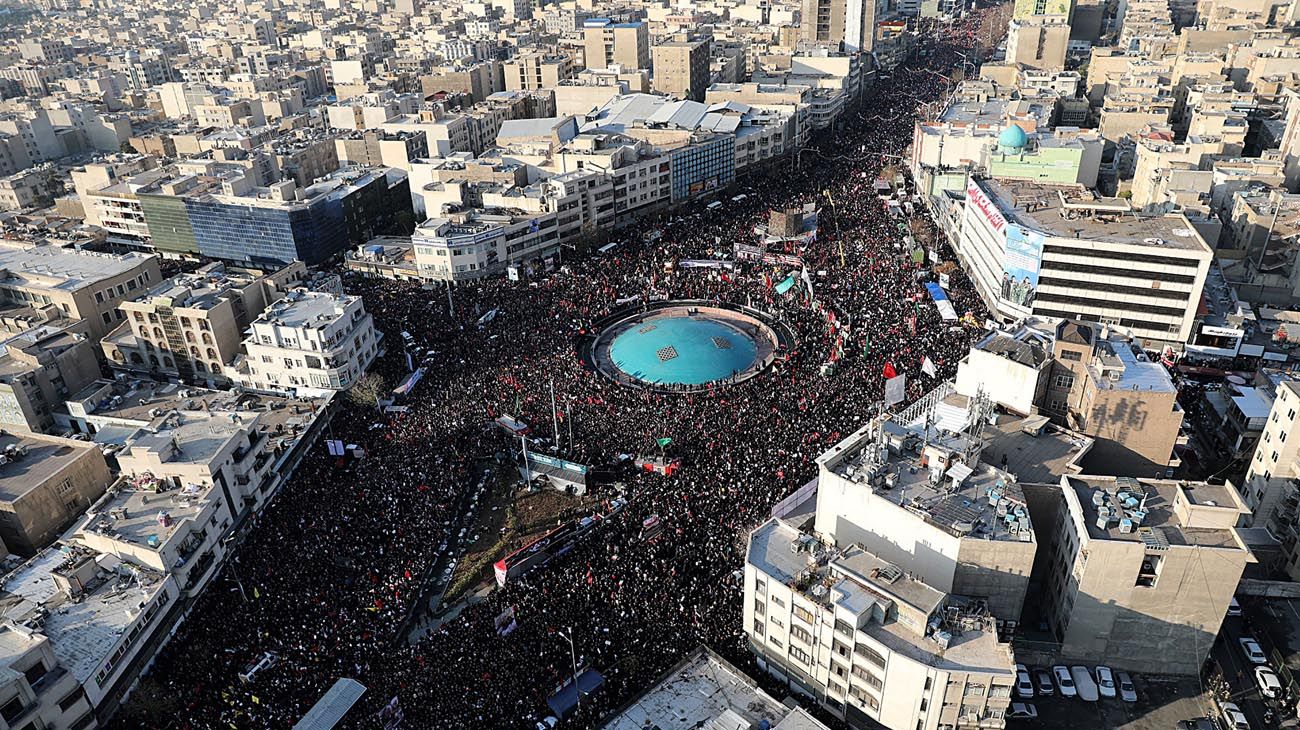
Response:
column 1064, row 681
column 1269, row 684
column 1022, row 711
column 1043, row 679
column 1234, row 608
column 1252, row 650
column 1233, row 717
column 1127, row 691
column 1083, row 684
column 1024, row 685
column 1105, row 682
column 1202, row 723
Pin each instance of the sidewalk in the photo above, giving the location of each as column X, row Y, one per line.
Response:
column 475, row 597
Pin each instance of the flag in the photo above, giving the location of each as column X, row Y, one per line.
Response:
column 663, row 441
column 256, row 594
column 928, row 368
column 890, row 371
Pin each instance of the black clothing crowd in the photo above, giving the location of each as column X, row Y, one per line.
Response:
column 327, row 573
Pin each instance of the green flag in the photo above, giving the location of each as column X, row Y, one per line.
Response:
column 663, row 441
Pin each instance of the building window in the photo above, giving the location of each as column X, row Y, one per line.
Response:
column 869, row 654
column 12, row 709
column 799, row 654
column 758, row 628
column 801, row 634
column 1064, row 381
column 1071, row 355
column 803, row 614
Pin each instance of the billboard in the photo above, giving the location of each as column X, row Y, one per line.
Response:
column 1021, row 260
column 985, row 208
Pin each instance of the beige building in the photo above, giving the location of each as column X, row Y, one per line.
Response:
column 1141, row 571
column 39, row 369
column 606, row 43
column 37, row 685
column 832, row 22
column 186, row 478
column 681, row 69
column 81, row 284
column 1107, row 388
column 868, row 640
column 309, row 342
column 1040, row 44
column 46, row 482
column 191, row 326
column 536, row 70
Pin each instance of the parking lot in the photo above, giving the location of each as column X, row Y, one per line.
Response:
column 1162, row 702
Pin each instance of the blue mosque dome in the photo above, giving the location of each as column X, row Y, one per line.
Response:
column 1013, row 138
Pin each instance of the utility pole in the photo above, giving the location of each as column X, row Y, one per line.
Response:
column 451, row 307
column 573, row 658
column 555, row 417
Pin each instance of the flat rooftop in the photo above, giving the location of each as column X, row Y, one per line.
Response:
column 702, row 688
column 134, row 512
column 973, row 499
column 1039, row 206
column 82, row 632
column 33, row 462
column 46, row 265
column 306, row 309
column 854, row 579
column 1161, row 526
column 1040, row 459
column 1123, row 366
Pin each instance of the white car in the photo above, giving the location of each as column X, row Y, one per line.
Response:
column 1105, row 682
column 1233, row 716
column 1269, row 684
column 1024, row 685
column 1252, row 650
column 1022, row 711
column 1063, row 681
column 1127, row 691
column 1234, row 608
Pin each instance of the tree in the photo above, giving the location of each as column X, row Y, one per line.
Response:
column 368, row 389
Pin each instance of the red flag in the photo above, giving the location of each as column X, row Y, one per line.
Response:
column 890, row 372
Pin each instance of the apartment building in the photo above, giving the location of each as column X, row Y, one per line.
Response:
column 37, row 687
column 473, row 244
column 607, row 43
column 46, row 482
column 39, row 368
column 307, row 343
column 537, row 70
column 80, row 284
column 681, row 69
column 868, row 640
column 1061, row 251
column 190, row 327
column 1141, row 571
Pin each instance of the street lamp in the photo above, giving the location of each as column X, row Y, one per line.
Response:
column 573, row 657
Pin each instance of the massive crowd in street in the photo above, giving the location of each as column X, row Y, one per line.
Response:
column 328, row 572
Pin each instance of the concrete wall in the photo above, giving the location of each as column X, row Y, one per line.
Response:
column 997, row 570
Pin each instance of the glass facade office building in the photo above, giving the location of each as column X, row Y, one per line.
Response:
column 267, row 233
column 702, row 167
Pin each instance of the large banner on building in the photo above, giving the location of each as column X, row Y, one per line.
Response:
column 1020, row 264
column 985, row 208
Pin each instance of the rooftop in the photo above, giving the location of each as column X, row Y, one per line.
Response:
column 703, row 688
column 27, row 462
column 136, row 512
column 1044, row 207
column 1034, row 459
column 903, row 613
column 82, row 631
column 39, row 264
column 305, row 309
column 1159, row 512
column 954, row 491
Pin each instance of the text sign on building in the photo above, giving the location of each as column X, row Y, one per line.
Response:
column 992, row 216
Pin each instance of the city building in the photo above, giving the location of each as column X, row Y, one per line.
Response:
column 533, row 71
column 1064, row 252
column 39, row 368
column 307, row 343
column 681, row 69
column 833, row 22
column 1141, row 571
column 191, row 326
column 868, row 640
column 607, row 43
column 79, row 284
column 46, row 482
column 703, row 689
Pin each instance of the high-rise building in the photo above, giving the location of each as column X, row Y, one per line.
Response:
column 681, row 69
column 607, row 43
column 850, row 22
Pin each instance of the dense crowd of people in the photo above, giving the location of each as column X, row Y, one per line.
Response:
column 325, row 577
